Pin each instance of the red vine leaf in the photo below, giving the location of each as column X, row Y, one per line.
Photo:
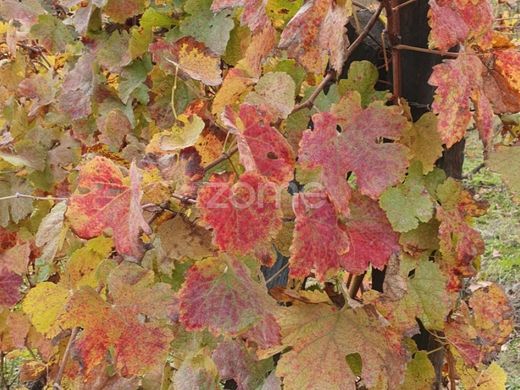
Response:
column 322, row 148
column 460, row 244
column 219, row 294
column 321, row 337
column 322, row 245
column 108, row 204
column 262, row 148
column 9, row 287
column 115, row 325
column 235, row 362
column 316, row 33
column 501, row 84
column 254, row 14
column 479, row 335
column 372, row 240
column 452, row 105
column 454, row 22
column 243, row 215
column 338, row 153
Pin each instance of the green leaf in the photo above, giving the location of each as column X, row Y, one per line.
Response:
column 409, row 203
column 52, row 33
column 362, row 77
column 205, row 26
column 420, row 374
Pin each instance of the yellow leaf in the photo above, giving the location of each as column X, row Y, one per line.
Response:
column 43, row 304
column 82, row 266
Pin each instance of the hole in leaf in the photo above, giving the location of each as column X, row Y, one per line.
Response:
column 355, row 363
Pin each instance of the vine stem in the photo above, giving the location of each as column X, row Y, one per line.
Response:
column 394, row 34
column 310, row 101
column 33, row 197
column 423, row 50
column 331, row 74
column 355, row 285
column 224, row 156
column 366, row 30
column 273, row 276
column 59, row 375
column 399, row 6
column 185, row 199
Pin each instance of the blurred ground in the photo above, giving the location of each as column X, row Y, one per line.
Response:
column 500, row 228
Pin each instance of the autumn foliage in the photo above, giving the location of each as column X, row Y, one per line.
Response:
column 157, row 156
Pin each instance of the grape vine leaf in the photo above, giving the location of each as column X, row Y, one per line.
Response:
column 43, row 304
column 51, row 232
column 16, row 258
column 114, row 126
column 83, row 11
column 262, row 148
column 212, row 29
column 190, row 57
column 274, row 90
column 421, row 295
column 108, row 203
column 115, row 325
column 453, row 23
column 490, row 322
column 219, row 294
column 507, row 64
column 253, row 15
column 421, row 241
column 373, row 123
column 362, row 77
column 500, row 84
column 18, row 208
column 460, row 244
column 482, row 378
column 372, row 240
column 14, row 328
column 78, row 87
column 40, row 88
column 424, row 141
column 183, row 134
column 82, row 267
column 411, row 196
column 452, row 105
column 26, row 12
column 316, row 223
column 234, row 361
column 365, row 238
column 316, row 33
column 14, row 263
column 336, row 153
column 120, row 10
column 113, row 53
column 196, row 372
column 52, row 34
column 183, row 240
column 242, row 215
column 321, row 337
column 322, row 148
column 10, row 284
column 420, row 374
